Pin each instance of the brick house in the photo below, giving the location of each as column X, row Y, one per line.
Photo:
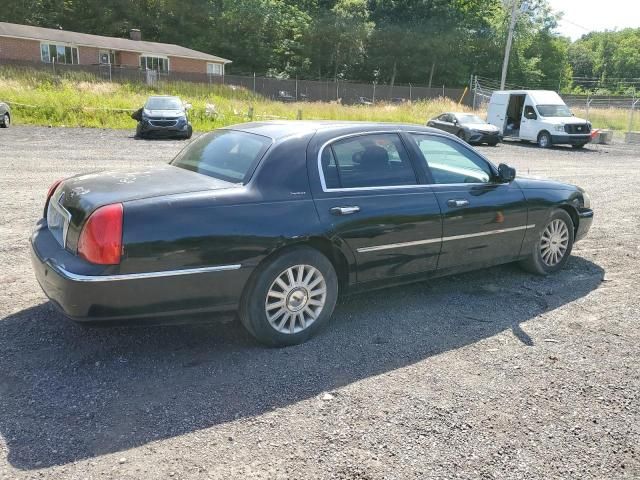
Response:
column 36, row 44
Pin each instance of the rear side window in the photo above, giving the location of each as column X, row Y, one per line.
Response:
column 449, row 162
column 225, row 154
column 364, row 161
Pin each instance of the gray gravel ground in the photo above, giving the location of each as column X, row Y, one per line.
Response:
column 492, row 374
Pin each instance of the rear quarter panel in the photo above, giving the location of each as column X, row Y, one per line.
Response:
column 242, row 225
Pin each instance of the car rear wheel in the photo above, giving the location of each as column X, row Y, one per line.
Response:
column 290, row 298
column 6, row 121
column 553, row 246
column 461, row 135
column 544, row 140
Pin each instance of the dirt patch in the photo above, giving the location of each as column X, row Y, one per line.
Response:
column 492, row 374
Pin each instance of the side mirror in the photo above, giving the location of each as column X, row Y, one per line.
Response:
column 506, row 173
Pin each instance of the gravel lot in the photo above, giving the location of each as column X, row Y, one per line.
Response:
column 492, row 374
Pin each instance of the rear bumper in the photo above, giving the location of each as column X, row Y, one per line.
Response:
column 84, row 296
column 570, row 139
column 584, row 223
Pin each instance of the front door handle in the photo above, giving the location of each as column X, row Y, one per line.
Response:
column 345, row 210
column 458, row 203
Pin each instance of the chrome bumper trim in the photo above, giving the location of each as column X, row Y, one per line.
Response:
column 75, row 277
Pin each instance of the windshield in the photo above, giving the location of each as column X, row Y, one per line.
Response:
column 554, row 110
column 163, row 103
column 225, row 154
column 470, row 119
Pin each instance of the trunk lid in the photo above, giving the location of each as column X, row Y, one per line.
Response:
column 77, row 197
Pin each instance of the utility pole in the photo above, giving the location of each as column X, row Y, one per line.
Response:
column 507, row 50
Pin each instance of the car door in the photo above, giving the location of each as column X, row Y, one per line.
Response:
column 368, row 195
column 484, row 221
column 529, row 125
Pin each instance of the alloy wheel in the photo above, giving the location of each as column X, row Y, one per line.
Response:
column 554, row 242
column 296, row 299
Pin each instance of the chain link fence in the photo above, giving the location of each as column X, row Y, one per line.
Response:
column 285, row 90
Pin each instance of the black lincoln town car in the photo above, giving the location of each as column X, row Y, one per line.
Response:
column 274, row 220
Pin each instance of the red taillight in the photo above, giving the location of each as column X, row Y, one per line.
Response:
column 52, row 188
column 101, row 237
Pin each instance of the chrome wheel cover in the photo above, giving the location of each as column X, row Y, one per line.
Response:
column 554, row 242
column 295, row 299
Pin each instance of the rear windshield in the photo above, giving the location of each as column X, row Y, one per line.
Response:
column 163, row 103
column 225, row 154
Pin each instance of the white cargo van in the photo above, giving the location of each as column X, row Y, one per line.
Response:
column 537, row 116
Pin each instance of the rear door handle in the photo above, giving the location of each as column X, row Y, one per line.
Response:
column 457, row 203
column 345, row 210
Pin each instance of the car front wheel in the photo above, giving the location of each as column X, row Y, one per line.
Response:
column 552, row 248
column 544, row 140
column 6, row 121
column 290, row 298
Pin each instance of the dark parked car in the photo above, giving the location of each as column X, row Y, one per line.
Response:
column 163, row 116
column 470, row 128
column 5, row 115
column 275, row 219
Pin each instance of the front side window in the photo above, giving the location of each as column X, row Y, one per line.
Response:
column 66, row 54
column 377, row 160
column 225, row 154
column 157, row 64
column 452, row 163
column 529, row 112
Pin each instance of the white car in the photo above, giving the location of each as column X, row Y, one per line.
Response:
column 537, row 116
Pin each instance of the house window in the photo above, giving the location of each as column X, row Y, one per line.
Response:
column 107, row 57
column 151, row 62
column 52, row 52
column 215, row 68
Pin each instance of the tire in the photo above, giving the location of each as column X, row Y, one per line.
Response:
column 189, row 133
column 544, row 140
column 578, row 146
column 538, row 261
column 139, row 133
column 493, row 144
column 6, row 121
column 297, row 319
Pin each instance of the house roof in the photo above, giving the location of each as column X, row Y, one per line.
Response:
column 112, row 43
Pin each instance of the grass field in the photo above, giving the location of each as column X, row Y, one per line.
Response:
column 79, row 100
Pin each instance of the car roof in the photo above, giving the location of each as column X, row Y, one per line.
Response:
column 279, row 129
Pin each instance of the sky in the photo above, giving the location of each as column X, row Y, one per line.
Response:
column 583, row 16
